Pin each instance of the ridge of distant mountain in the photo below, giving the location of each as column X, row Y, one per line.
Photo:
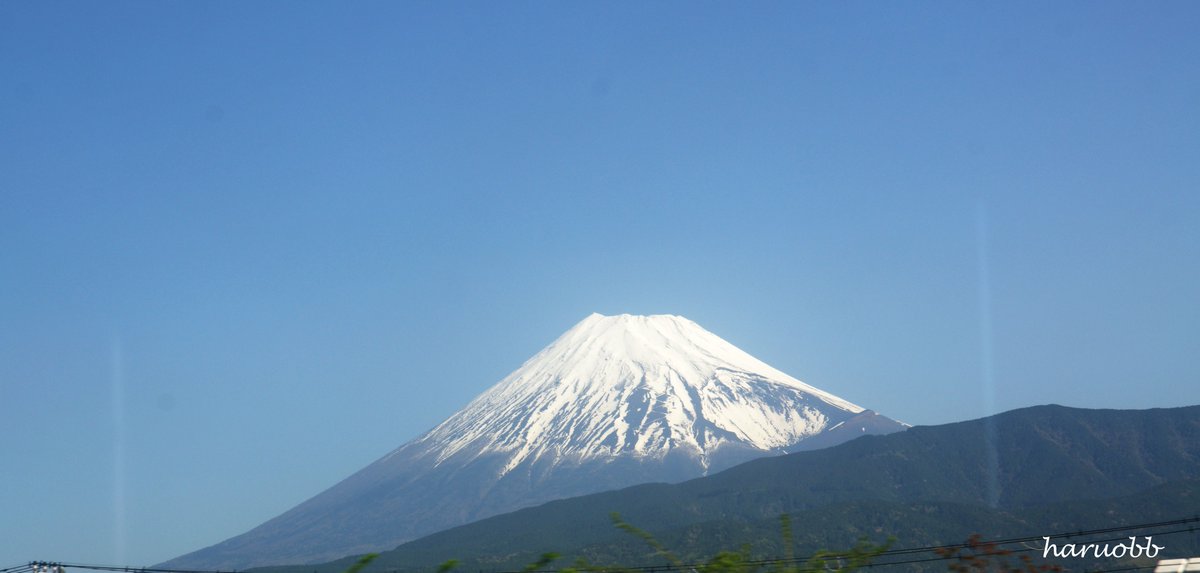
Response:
column 994, row 473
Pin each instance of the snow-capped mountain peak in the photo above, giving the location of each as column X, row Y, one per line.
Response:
column 641, row 386
column 615, row 401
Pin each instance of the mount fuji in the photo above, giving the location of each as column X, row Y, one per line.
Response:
column 613, row 402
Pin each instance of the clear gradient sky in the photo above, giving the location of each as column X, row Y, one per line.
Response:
column 248, row 248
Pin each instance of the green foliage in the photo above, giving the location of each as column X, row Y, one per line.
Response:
column 362, row 562
column 541, row 563
column 740, row 561
column 659, row 550
column 853, row 559
column 979, row 556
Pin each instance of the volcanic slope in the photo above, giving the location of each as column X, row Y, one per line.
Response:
column 615, row 401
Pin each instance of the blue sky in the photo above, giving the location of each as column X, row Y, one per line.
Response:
column 248, row 248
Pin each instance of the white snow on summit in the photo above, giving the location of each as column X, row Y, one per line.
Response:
column 636, row 385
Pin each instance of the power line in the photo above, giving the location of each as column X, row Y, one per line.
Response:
column 34, row 565
column 912, row 550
